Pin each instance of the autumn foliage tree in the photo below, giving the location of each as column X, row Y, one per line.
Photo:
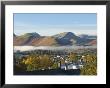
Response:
column 36, row 62
column 32, row 62
column 72, row 56
column 90, row 67
column 45, row 62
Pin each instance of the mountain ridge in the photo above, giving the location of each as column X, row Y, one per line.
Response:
column 61, row 39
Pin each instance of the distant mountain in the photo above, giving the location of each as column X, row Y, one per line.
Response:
column 27, row 35
column 93, row 42
column 61, row 39
column 47, row 41
column 66, row 38
column 67, row 35
column 87, row 36
column 26, row 38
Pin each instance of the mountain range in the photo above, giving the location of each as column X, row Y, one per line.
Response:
column 61, row 39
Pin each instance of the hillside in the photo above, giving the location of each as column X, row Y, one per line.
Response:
column 61, row 39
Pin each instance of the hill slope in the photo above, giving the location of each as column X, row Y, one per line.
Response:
column 61, row 39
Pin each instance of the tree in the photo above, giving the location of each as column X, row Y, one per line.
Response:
column 90, row 67
column 32, row 62
column 36, row 62
column 19, row 66
column 72, row 57
column 45, row 62
column 55, row 65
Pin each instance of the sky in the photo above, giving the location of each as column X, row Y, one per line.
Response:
column 47, row 24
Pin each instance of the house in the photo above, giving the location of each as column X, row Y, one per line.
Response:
column 73, row 65
column 69, row 66
column 63, row 67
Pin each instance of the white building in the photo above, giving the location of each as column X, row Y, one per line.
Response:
column 70, row 66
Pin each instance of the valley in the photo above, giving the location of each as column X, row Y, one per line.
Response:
column 61, row 54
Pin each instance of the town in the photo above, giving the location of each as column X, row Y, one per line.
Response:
column 36, row 60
